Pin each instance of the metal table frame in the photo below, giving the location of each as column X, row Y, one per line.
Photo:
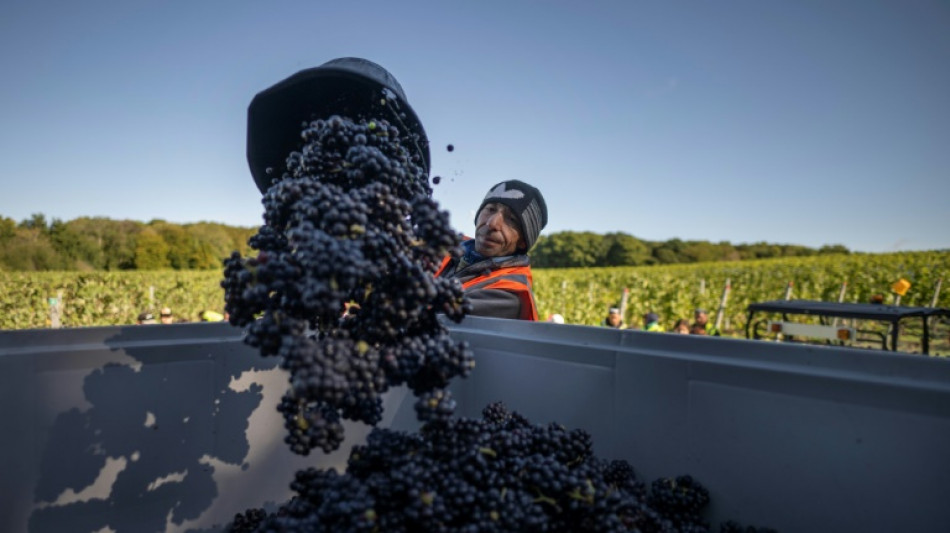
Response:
column 892, row 314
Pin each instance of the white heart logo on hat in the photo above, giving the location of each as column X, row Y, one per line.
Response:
column 500, row 192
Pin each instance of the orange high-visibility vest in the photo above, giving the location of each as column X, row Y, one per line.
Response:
column 516, row 280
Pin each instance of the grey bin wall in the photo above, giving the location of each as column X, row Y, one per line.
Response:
column 173, row 428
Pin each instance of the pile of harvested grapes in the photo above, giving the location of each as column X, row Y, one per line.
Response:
column 352, row 226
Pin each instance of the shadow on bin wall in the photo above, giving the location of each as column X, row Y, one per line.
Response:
column 154, row 429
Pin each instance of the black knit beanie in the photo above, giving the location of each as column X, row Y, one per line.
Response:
column 527, row 204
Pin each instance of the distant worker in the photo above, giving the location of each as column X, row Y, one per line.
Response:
column 165, row 316
column 681, row 326
column 651, row 322
column 701, row 320
column 613, row 320
column 146, row 317
column 696, row 329
column 494, row 269
column 211, row 316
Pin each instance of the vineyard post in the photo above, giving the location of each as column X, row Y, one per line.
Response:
column 623, row 303
column 702, row 286
column 933, row 302
column 722, row 304
column 788, row 296
column 560, row 299
column 151, row 297
column 844, row 286
column 56, row 310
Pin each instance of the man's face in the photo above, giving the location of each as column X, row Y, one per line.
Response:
column 496, row 231
column 613, row 318
column 702, row 318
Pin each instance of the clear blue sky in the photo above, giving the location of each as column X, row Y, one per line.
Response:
column 807, row 122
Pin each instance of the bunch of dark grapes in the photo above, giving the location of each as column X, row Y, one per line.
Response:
column 350, row 224
column 682, row 499
column 499, row 473
column 248, row 521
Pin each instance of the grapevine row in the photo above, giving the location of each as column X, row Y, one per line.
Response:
column 581, row 295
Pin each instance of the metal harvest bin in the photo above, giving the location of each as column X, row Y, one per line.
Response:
column 173, row 427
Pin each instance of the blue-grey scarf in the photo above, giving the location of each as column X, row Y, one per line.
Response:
column 469, row 255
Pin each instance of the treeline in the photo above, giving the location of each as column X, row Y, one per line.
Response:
column 570, row 249
column 36, row 244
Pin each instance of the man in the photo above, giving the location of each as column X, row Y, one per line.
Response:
column 702, row 322
column 494, row 269
column 145, row 317
column 651, row 322
column 165, row 316
column 613, row 320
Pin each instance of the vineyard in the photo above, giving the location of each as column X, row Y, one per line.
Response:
column 104, row 298
column 582, row 296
